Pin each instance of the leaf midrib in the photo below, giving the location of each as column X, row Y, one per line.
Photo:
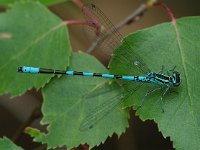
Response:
column 182, row 56
column 37, row 40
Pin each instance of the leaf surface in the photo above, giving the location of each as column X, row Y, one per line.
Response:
column 167, row 45
column 30, row 35
column 70, row 99
column 6, row 144
column 45, row 2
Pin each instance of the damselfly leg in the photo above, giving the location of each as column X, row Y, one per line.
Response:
column 146, row 95
column 169, row 72
column 102, row 110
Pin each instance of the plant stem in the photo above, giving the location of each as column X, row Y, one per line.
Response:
column 167, row 9
column 131, row 18
column 93, row 22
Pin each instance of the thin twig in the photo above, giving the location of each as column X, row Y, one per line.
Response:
column 93, row 22
column 131, row 18
column 167, row 9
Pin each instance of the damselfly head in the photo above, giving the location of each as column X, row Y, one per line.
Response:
column 176, row 78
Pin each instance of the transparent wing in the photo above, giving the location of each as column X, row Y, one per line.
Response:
column 101, row 111
column 100, row 89
column 105, row 108
column 109, row 38
column 101, row 39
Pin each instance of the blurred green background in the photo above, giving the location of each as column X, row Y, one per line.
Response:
column 141, row 135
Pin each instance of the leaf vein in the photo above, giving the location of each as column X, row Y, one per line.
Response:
column 37, row 40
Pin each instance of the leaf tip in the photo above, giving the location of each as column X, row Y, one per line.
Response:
column 32, row 131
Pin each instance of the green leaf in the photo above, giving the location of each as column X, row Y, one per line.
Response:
column 52, row 2
column 30, row 35
column 6, row 2
column 68, row 101
column 45, row 2
column 7, row 144
column 169, row 46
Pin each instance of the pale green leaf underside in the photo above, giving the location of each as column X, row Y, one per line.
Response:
column 7, row 144
column 30, row 35
column 69, row 99
column 163, row 45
